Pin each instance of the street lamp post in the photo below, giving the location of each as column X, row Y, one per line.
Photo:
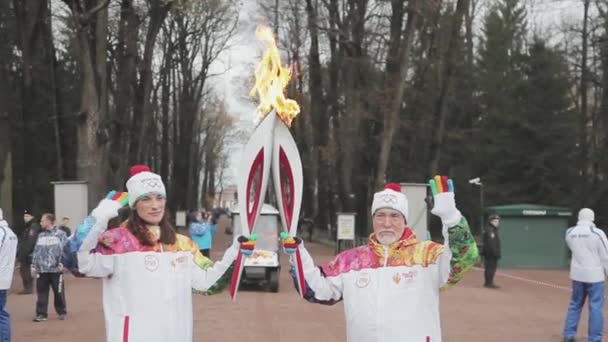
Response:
column 477, row 181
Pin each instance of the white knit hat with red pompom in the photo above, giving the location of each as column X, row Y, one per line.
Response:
column 143, row 182
column 391, row 197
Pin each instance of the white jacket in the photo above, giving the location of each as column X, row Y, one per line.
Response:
column 8, row 251
column 589, row 263
column 147, row 290
column 392, row 293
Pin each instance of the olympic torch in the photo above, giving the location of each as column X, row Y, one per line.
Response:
column 271, row 147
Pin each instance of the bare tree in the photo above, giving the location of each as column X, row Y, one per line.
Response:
column 441, row 113
column 90, row 20
column 397, row 62
column 202, row 34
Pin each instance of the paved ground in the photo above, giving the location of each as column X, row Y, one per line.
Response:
column 530, row 306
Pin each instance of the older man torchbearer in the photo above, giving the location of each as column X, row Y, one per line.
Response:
column 390, row 286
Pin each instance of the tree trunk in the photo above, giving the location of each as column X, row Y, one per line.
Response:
column 141, row 117
column 126, row 55
column 333, row 109
column 397, row 63
column 92, row 136
column 165, row 128
column 355, row 72
column 446, row 86
column 28, row 156
column 586, row 116
column 54, row 91
column 315, row 125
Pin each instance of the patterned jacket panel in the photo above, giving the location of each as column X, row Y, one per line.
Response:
column 48, row 252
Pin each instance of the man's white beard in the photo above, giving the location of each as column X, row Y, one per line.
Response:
column 386, row 238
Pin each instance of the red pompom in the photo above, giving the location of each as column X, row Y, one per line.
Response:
column 393, row 186
column 135, row 169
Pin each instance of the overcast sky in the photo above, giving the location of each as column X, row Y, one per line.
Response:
column 236, row 66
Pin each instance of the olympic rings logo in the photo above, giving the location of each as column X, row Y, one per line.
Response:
column 389, row 199
column 153, row 183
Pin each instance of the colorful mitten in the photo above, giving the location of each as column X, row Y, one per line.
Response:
column 108, row 208
column 444, row 202
column 247, row 243
column 290, row 243
column 97, row 222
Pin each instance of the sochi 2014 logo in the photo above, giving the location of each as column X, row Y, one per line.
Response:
column 363, row 280
column 151, row 262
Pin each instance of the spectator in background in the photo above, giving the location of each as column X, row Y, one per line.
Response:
column 25, row 250
column 65, row 226
column 48, row 264
column 588, row 269
column 201, row 230
column 8, row 251
column 491, row 250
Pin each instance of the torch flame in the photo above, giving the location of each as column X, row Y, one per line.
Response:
column 270, row 80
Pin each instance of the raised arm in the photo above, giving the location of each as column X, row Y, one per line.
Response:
column 86, row 237
column 460, row 250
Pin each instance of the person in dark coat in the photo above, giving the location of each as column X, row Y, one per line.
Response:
column 491, row 250
column 25, row 250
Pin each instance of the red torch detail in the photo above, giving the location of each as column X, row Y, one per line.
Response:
column 258, row 164
column 287, row 201
column 300, row 269
column 236, row 274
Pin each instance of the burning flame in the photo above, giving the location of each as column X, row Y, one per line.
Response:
column 270, row 80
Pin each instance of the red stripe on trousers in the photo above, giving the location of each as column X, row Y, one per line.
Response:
column 125, row 330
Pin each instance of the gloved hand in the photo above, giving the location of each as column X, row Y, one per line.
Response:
column 247, row 244
column 108, row 208
column 444, row 204
column 95, row 224
column 290, row 243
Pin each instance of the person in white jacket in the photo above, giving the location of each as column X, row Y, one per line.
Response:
column 8, row 252
column 588, row 269
column 148, row 270
column 390, row 286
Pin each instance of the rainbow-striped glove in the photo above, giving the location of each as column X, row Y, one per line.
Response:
column 87, row 233
column 108, row 208
column 247, row 244
column 290, row 243
column 444, row 203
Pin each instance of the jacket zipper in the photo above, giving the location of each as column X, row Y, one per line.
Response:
column 428, row 338
column 385, row 255
column 381, row 294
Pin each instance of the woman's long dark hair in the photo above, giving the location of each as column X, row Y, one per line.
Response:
column 137, row 226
